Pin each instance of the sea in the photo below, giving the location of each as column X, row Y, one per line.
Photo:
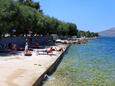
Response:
column 90, row 64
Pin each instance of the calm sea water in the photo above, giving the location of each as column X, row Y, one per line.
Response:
column 91, row 64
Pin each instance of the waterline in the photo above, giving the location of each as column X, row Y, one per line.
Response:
column 91, row 64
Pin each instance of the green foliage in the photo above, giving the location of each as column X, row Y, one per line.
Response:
column 26, row 15
column 7, row 11
column 87, row 34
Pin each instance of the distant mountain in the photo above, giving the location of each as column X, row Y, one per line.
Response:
column 109, row 32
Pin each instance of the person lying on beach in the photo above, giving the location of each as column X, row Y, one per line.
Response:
column 49, row 51
column 20, row 49
column 12, row 46
column 61, row 49
column 55, row 49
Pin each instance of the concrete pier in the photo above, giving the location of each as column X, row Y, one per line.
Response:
column 20, row 70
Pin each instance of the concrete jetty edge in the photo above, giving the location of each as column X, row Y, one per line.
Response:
column 51, row 69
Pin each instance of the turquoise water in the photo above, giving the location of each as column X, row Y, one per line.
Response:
column 91, row 64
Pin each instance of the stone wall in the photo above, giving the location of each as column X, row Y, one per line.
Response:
column 20, row 41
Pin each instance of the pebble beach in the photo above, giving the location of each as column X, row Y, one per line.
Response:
column 20, row 70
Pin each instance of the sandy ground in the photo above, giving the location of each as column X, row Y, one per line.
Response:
column 20, row 70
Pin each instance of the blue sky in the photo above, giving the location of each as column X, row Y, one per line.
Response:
column 93, row 15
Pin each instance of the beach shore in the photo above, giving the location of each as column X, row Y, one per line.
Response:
column 20, row 70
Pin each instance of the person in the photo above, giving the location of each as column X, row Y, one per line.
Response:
column 50, row 50
column 12, row 48
column 26, row 47
column 55, row 49
column 20, row 49
column 61, row 49
column 9, row 46
column 27, row 51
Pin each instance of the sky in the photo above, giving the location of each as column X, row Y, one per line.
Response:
column 92, row 15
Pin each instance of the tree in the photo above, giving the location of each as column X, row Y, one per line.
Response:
column 26, row 15
column 6, row 13
column 72, row 29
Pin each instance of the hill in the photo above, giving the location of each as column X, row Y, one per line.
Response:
column 109, row 32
